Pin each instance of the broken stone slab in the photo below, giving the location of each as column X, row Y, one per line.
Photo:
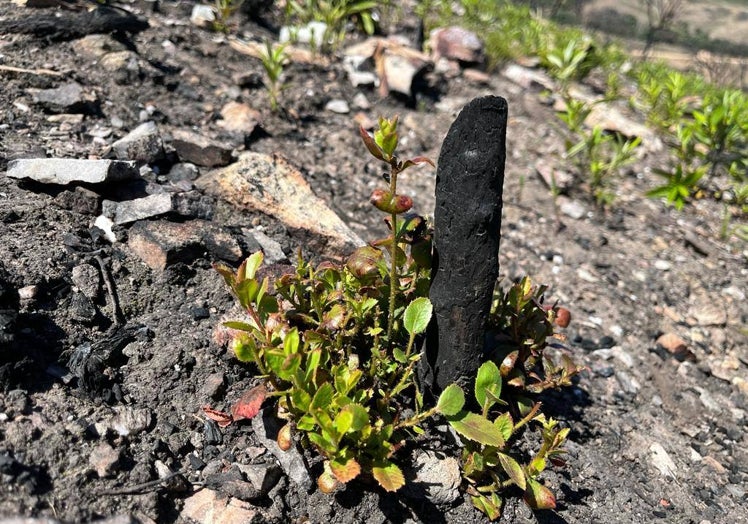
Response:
column 160, row 243
column 64, row 171
column 68, row 98
column 270, row 184
column 266, row 427
column 199, row 150
column 456, row 43
column 263, row 477
column 143, row 144
column 140, row 208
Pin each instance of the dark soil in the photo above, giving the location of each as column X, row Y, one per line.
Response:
column 654, row 437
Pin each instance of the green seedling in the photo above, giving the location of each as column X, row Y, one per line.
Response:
column 223, row 10
column 273, row 60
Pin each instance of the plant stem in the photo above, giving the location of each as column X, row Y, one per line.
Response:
column 393, row 260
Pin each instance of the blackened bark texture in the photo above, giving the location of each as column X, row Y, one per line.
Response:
column 467, row 224
column 69, row 26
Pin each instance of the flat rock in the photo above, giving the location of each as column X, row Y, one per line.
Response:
column 87, row 279
column 199, row 150
column 64, row 171
column 146, row 207
column 270, row 248
column 610, row 118
column 661, row 460
column 143, row 144
column 131, row 421
column 208, row 506
column 676, row 346
column 456, row 43
column 161, row 243
column 270, row 184
column 338, row 105
column 68, row 98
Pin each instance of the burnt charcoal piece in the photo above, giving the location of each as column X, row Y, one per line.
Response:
column 467, row 221
column 69, row 26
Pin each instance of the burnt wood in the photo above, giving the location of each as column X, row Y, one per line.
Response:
column 72, row 25
column 467, row 222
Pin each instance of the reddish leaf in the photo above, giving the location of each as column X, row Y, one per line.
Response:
column 371, row 145
column 249, row 405
column 563, row 317
column 221, row 418
column 538, row 496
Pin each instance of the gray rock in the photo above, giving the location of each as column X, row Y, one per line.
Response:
column 270, row 248
column 88, row 280
column 662, row 461
column 338, row 106
column 80, row 200
column 263, row 477
column 266, row 428
column 140, row 208
column 142, row 144
column 64, row 171
column 361, row 102
column 437, row 478
column 183, row 171
column 68, row 98
column 82, row 308
column 628, row 383
column 193, row 204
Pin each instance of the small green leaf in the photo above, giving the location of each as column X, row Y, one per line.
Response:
column 513, row 469
column 360, row 417
column 417, row 315
column 490, row 506
column 323, row 396
column 399, row 355
column 451, row 400
column 252, row 264
column 488, row 378
column 389, row 476
column 241, row 326
column 505, row 425
column 342, row 423
column 291, row 342
column 477, row 428
column 538, row 496
column 345, row 470
column 371, row 145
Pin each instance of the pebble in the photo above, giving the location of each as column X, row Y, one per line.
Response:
column 338, row 106
column 361, row 102
column 662, row 461
column 104, row 459
column 437, row 478
column 628, row 383
column 28, row 292
column 662, row 265
column 573, row 209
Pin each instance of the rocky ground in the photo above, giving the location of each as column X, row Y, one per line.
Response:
column 107, row 346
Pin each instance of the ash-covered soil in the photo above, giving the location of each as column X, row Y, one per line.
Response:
column 106, row 362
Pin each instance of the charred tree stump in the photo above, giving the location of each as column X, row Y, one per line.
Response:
column 467, row 223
